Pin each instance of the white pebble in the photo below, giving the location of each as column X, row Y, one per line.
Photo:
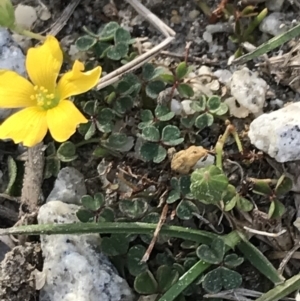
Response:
column 176, row 106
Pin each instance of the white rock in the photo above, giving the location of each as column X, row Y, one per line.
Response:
column 207, row 37
column 249, row 90
column 278, row 133
column 74, row 269
column 186, row 106
column 69, row 186
column 274, row 5
column 273, row 24
column 236, row 111
column 176, row 106
column 25, row 15
column 223, row 75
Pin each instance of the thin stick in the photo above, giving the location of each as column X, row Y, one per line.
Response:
column 287, row 257
column 133, row 65
column 153, row 19
column 161, row 221
column 263, row 233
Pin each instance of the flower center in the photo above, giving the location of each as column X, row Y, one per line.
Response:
column 44, row 98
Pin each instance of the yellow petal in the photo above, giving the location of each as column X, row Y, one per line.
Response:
column 15, row 90
column 43, row 63
column 76, row 82
column 63, row 120
column 28, row 126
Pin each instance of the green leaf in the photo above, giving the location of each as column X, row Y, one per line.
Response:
column 106, row 215
column 52, row 167
column 151, row 133
column 213, row 103
column 221, row 277
column 116, row 244
column 124, row 88
column 208, row 184
column 91, row 131
column 229, row 198
column 123, row 104
column 188, row 121
column 167, row 78
column 262, row 188
column 108, row 32
column 12, row 173
column 153, row 88
column 92, row 203
column 233, row 261
column 199, row 106
column 243, row 204
column 104, row 120
column 173, row 196
column 134, row 257
column 67, row 152
column 85, row 216
column 223, row 109
column 166, row 276
column 185, row 90
column 181, row 70
column 163, row 113
column 134, row 209
column 204, row 120
column 184, row 184
column 212, row 254
column 152, row 151
column 85, row 43
column 101, row 49
column 283, row 186
column 185, row 210
column 122, row 35
column 148, row 71
column 259, row 261
column 117, row 141
column 145, row 283
column 118, row 51
column 90, row 107
column 277, row 209
column 171, row 135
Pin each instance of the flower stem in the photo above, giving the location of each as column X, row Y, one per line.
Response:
column 19, row 30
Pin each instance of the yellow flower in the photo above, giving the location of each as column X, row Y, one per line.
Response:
column 44, row 101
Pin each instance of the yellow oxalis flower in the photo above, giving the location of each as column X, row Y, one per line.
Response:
column 44, row 101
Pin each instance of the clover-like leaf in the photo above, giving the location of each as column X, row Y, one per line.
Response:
column 213, row 103
column 243, row 204
column 52, row 167
column 184, row 184
column 101, row 48
column 117, row 141
column 233, row 260
column 123, row 104
column 104, row 120
column 90, row 107
column 171, row 135
column 116, row 244
column 108, row 32
column 173, row 196
column 262, row 188
column 163, row 113
column 167, row 78
column 166, row 276
column 229, row 198
column 221, row 277
column 153, row 88
column 153, row 151
column 148, row 71
column 134, row 257
column 186, row 209
column 188, row 121
column 151, row 133
column 107, row 214
column 145, row 283
column 134, row 81
column 212, row 254
column 118, row 51
column 223, row 109
column 181, row 70
column 199, row 106
column 67, row 152
column 134, row 209
column 84, row 215
column 185, row 90
column 208, row 184
column 122, row 35
column 85, row 42
column 124, row 87
column 204, row 120
column 92, row 203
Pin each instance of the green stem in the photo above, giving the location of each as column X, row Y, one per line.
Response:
column 19, row 30
column 126, row 228
column 84, row 142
